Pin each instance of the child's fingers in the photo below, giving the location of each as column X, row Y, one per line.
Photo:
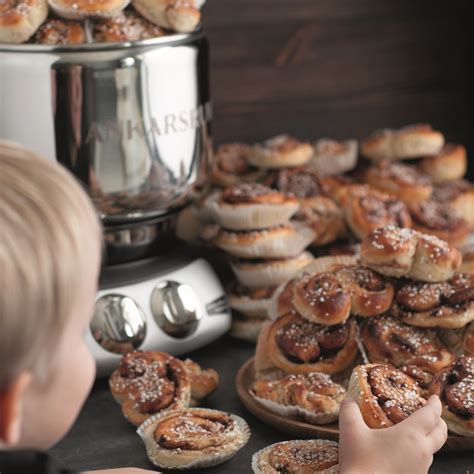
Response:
column 438, row 435
column 350, row 416
column 425, row 419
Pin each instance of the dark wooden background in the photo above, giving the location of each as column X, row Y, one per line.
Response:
column 339, row 68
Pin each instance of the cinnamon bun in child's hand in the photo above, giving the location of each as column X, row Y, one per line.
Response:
column 296, row 346
column 385, row 395
column 448, row 304
column 455, row 387
column 193, row 438
column 403, row 252
column 415, row 351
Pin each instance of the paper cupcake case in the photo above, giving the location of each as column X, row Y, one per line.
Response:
column 271, row 273
column 250, row 307
column 330, row 165
column 145, row 431
column 258, row 459
column 268, row 246
column 298, row 412
column 251, row 216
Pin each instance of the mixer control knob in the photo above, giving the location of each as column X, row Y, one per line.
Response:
column 176, row 308
column 118, row 323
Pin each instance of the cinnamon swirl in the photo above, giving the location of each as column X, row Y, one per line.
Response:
column 127, row 26
column 193, row 438
column 146, row 383
column 330, row 297
column 399, row 252
column 231, row 165
column 182, row 16
column 314, row 456
column 332, row 157
column 434, row 218
column 397, row 179
column 281, row 151
column 415, row 351
column 385, row 395
column 250, row 206
column 296, row 346
column 367, row 209
column 458, row 196
column 313, row 397
column 19, row 19
column 455, row 387
column 412, row 141
column 448, row 165
column 80, row 9
column 60, row 32
column 448, row 304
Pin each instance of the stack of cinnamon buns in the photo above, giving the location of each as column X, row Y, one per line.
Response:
column 385, row 308
column 63, row 22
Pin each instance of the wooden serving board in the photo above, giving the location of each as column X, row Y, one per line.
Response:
column 295, row 428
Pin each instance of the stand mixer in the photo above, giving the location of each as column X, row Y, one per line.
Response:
column 132, row 122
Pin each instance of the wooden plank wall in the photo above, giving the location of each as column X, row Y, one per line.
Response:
column 339, row 68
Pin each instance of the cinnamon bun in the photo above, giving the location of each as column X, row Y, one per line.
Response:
column 461, row 340
column 282, row 151
column 458, row 196
column 19, row 19
column 455, row 387
column 182, row 16
column 400, row 180
column 296, row 346
column 193, row 438
column 258, row 273
column 80, row 9
column 127, row 26
column 367, row 209
column 331, row 157
column 330, row 297
column 281, row 241
column 250, row 206
column 448, row 304
column 60, row 32
column 412, row 141
column 415, row 351
column 231, row 165
column 385, row 395
column 448, row 165
column 399, row 252
column 310, row 456
column 467, row 265
column 434, row 218
column 313, row 397
column 146, row 383
column 203, row 381
column 246, row 328
column 324, row 217
column 252, row 302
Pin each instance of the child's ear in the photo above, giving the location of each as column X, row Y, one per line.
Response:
column 11, row 401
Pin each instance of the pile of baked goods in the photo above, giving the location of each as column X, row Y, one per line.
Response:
column 157, row 392
column 272, row 200
column 63, row 22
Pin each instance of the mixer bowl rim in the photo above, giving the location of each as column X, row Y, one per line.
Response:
column 167, row 40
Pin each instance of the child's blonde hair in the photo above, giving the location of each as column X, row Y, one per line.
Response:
column 47, row 222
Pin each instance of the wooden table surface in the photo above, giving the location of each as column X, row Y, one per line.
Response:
column 102, row 438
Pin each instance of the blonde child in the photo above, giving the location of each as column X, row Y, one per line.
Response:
column 50, row 246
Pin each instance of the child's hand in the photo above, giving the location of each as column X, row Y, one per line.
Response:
column 406, row 447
